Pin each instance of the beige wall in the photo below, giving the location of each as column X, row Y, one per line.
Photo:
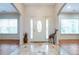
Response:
column 69, row 15
column 20, row 8
column 57, row 10
column 59, row 7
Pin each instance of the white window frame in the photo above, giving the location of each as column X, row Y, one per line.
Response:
column 17, row 27
column 69, row 32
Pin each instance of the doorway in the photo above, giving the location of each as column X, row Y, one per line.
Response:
column 39, row 29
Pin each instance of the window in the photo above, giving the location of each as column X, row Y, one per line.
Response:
column 8, row 26
column 47, row 28
column 69, row 26
column 31, row 27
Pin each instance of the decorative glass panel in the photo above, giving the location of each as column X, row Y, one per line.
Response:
column 31, row 25
column 46, row 28
column 39, row 26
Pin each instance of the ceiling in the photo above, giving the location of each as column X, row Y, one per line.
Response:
column 7, row 7
column 71, row 8
column 26, row 4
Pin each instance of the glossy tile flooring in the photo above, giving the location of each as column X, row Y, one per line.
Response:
column 39, row 49
column 7, row 49
column 69, row 49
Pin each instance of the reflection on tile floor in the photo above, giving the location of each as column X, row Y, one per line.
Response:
column 47, row 49
column 39, row 49
column 69, row 49
column 7, row 49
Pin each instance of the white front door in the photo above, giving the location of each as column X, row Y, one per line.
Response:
column 40, row 29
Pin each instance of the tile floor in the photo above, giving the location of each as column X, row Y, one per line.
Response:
column 39, row 49
column 69, row 49
column 7, row 49
column 48, row 49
